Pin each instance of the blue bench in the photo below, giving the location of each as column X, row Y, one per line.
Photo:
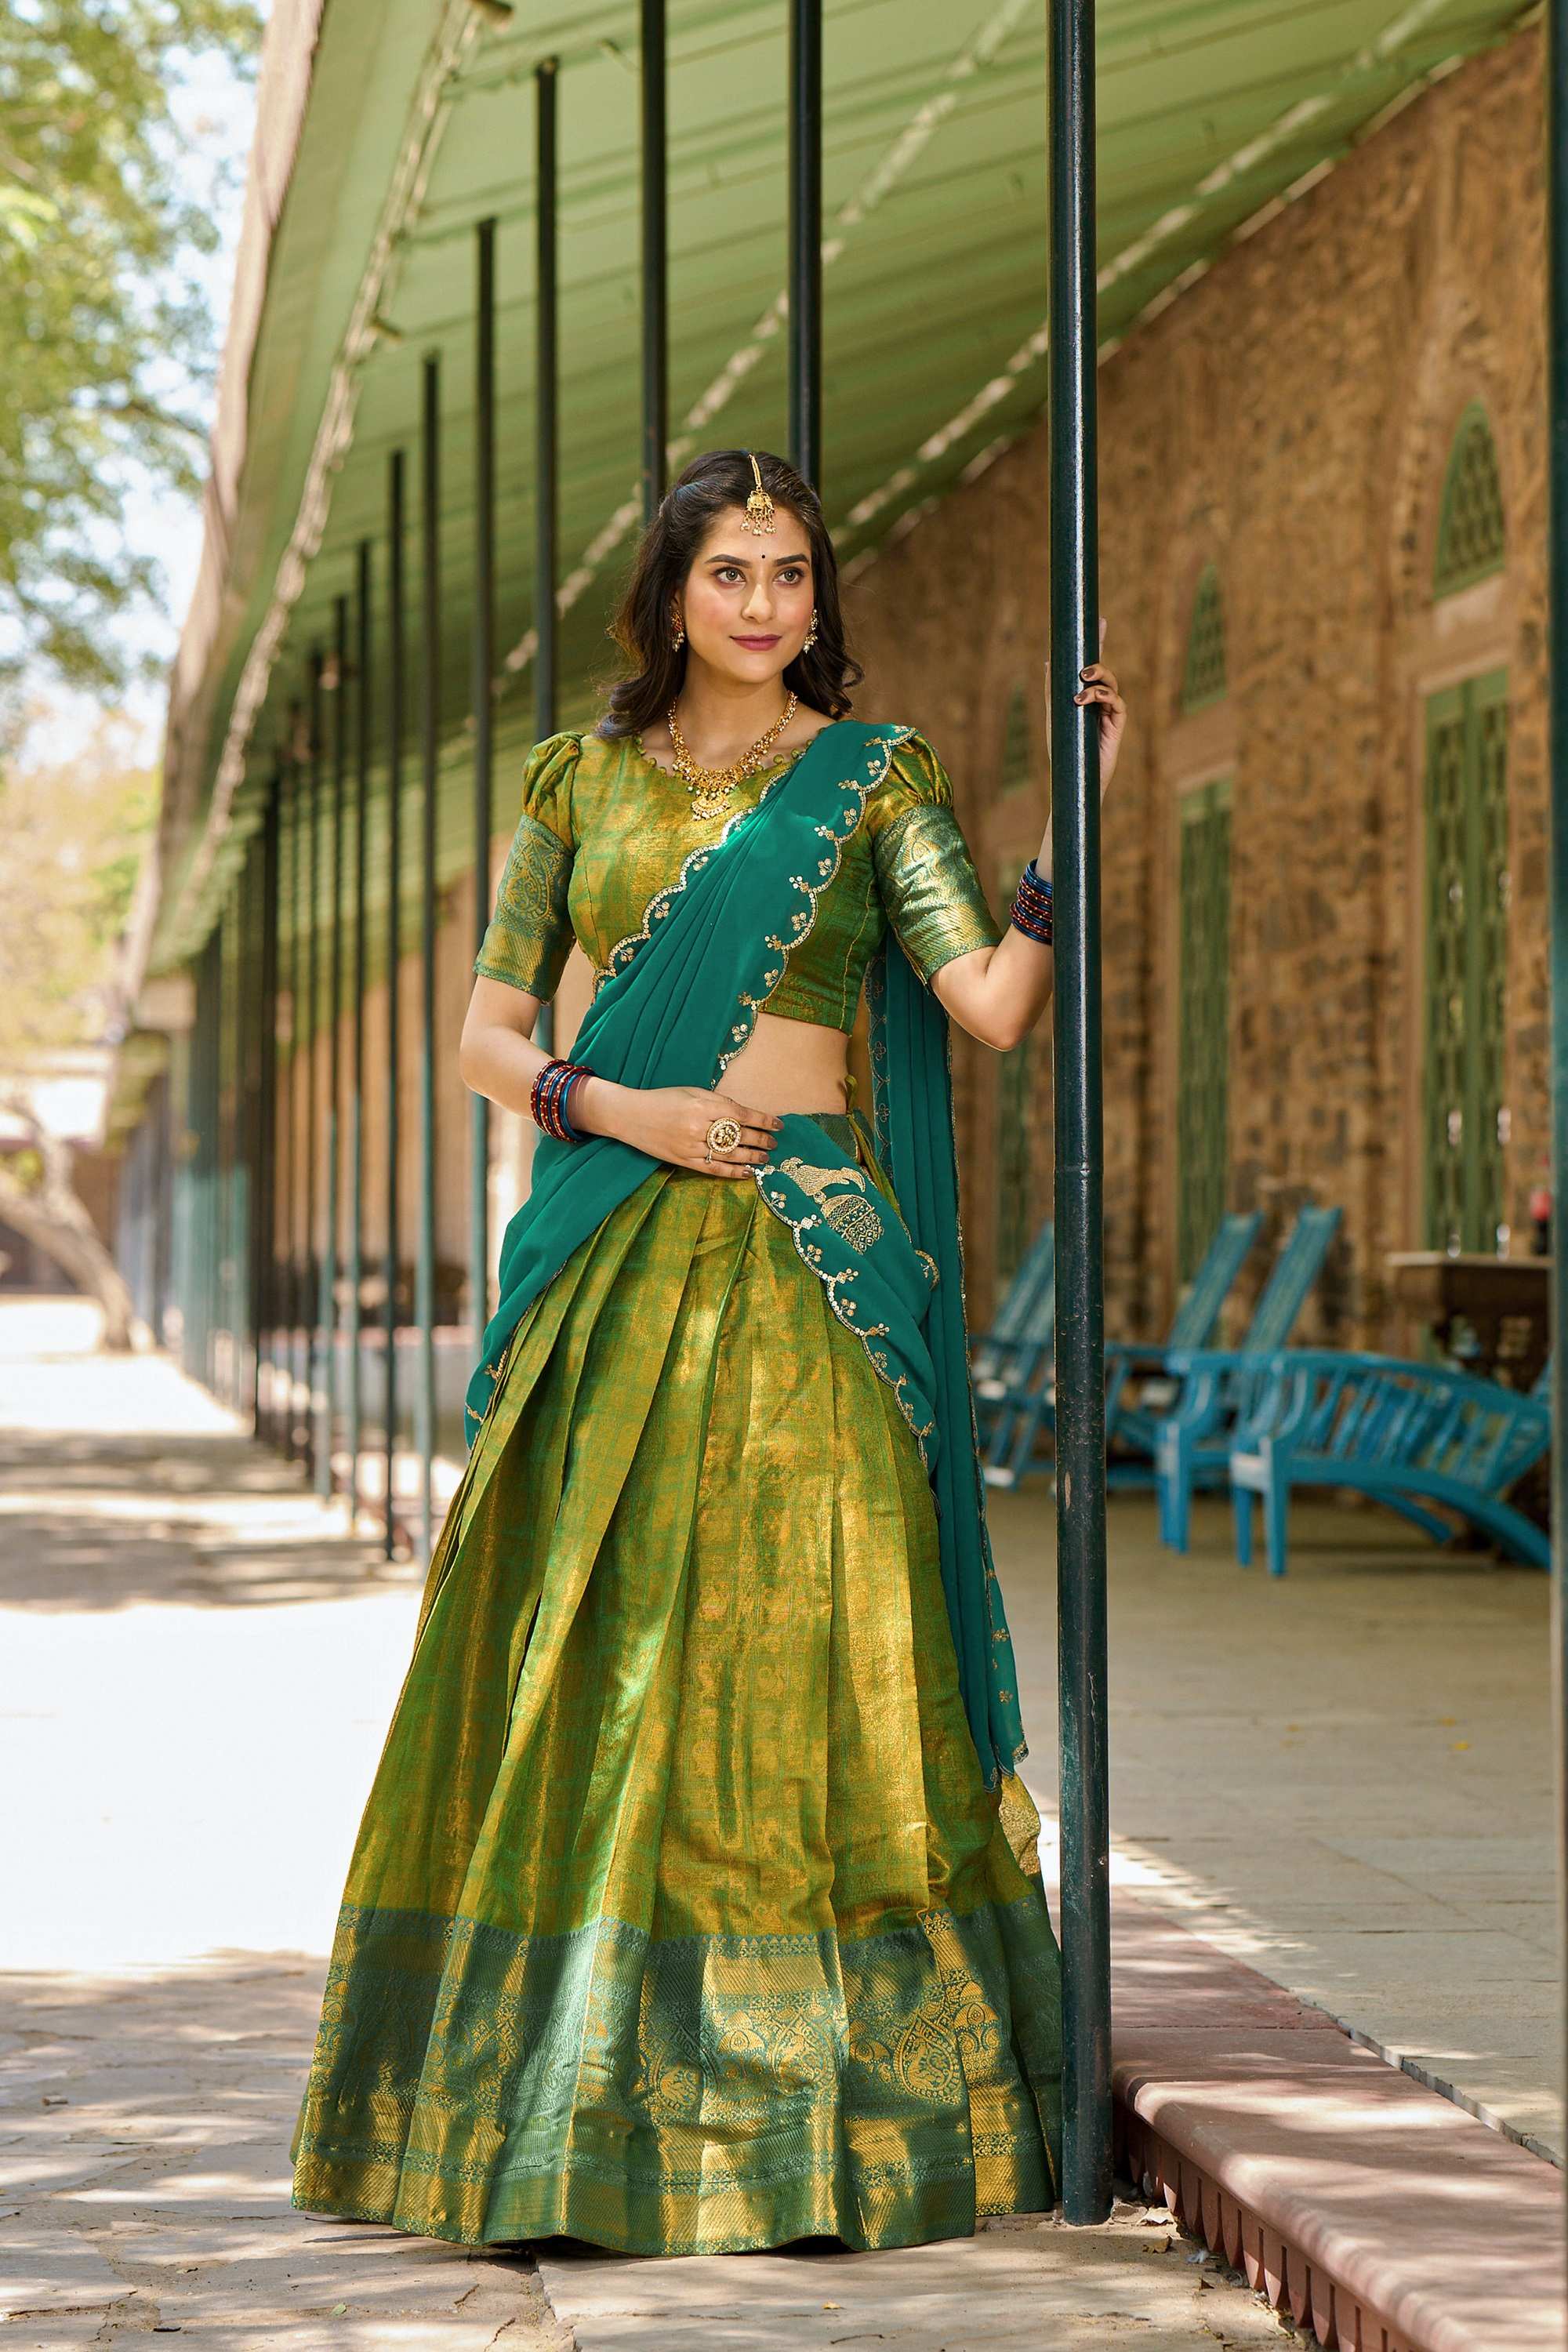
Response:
column 1192, row 1442
column 1025, row 1403
column 1013, row 1359
column 1138, row 1384
column 1030, row 1295
column 1419, row 1438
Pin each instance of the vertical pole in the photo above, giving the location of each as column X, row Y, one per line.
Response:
column 395, row 652
column 546, row 449
column 222, row 1376
column 356, row 1084
column 1557, row 547
column 311, row 1030
column 484, row 797
column 806, row 238
column 330, row 1267
column 264, row 1230
column 655, row 260
column 293, row 1120
column 1080, row 1328
column 430, row 733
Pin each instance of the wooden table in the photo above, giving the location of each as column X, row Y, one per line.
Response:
column 1490, row 1315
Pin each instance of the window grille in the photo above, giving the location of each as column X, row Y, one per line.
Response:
column 1471, row 541
column 1204, row 1010
column 1205, row 681
column 1466, row 932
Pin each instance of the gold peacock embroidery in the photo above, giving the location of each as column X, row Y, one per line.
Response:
column 853, row 1219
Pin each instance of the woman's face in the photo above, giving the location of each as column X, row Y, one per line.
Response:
column 746, row 602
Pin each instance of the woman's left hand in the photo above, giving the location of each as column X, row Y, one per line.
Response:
column 1099, row 688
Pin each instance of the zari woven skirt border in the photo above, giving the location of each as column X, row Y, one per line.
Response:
column 680, row 1919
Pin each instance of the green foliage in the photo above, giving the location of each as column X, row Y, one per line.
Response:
column 102, row 338
column 73, row 834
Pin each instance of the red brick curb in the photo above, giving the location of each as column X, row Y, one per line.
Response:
column 1370, row 2209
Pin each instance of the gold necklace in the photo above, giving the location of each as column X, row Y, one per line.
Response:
column 711, row 787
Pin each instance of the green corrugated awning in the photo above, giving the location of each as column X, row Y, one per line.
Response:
column 419, row 123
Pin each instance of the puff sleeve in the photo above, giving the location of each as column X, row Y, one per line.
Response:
column 925, row 875
column 530, row 934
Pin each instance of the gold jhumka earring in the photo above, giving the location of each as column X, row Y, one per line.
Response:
column 762, row 515
column 810, row 637
column 677, row 633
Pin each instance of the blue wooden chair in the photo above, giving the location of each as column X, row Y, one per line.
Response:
column 1419, row 1438
column 1022, row 1359
column 1025, row 1405
column 990, row 1352
column 1138, row 1388
column 1192, row 1442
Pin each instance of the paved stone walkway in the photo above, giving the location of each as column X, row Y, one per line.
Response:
column 1342, row 1777
column 196, row 1667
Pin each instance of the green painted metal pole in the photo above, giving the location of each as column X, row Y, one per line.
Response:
column 430, row 732
column 266, row 1260
column 227, row 1318
column 311, row 1032
column 484, row 652
column 397, row 670
column 332, row 1387
column 282, row 1065
column 806, row 238
column 263, row 1197
column 363, row 634
column 1080, row 1324
column 294, row 1123
column 546, row 437
column 655, row 161
column 1557, row 536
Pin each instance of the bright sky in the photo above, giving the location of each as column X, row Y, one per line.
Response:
column 216, row 113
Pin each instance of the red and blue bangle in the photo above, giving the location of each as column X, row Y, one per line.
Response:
column 550, row 1095
column 1032, row 905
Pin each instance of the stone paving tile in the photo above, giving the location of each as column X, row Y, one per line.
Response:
column 1018, row 2286
column 1364, row 1744
column 155, row 1569
column 181, row 2220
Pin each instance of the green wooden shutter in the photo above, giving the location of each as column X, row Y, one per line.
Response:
column 1203, row 1005
column 1013, row 1157
column 1018, row 754
column 1466, row 917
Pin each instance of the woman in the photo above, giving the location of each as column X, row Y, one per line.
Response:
column 696, row 1904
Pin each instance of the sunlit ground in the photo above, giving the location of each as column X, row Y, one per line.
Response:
column 196, row 1667
column 1342, row 1778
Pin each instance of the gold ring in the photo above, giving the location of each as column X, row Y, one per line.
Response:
column 724, row 1134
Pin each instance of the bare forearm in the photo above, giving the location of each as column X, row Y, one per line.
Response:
column 501, row 1064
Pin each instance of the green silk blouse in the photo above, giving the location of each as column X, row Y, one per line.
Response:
column 604, row 827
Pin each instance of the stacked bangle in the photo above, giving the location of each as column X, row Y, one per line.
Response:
column 1032, row 905
column 549, row 1096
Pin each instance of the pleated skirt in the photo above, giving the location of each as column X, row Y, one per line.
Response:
column 680, row 1919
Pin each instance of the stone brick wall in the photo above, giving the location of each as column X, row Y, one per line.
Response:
column 1288, row 417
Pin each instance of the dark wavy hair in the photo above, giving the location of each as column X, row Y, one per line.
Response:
column 717, row 479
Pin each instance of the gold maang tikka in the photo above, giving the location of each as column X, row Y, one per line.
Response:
column 762, row 515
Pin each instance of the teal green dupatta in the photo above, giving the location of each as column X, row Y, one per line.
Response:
column 680, row 1001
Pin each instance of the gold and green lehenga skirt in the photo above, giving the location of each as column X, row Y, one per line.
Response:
column 680, row 1919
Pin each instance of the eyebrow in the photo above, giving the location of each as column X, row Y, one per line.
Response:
column 804, row 557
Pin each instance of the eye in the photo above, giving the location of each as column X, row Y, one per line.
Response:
column 791, row 573
column 730, row 572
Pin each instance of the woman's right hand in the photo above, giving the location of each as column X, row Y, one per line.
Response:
column 671, row 1123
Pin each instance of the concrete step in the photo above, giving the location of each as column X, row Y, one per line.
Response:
column 1364, row 2205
